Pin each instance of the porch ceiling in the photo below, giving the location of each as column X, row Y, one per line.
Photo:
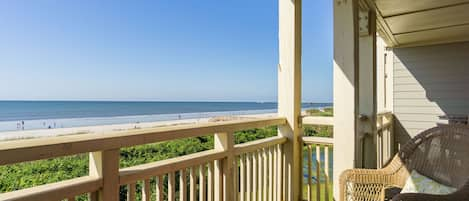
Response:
column 422, row 22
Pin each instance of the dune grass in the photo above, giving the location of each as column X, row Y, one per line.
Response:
column 322, row 192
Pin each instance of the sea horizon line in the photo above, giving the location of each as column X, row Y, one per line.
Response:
column 152, row 101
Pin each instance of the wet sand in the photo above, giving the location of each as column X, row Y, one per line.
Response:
column 28, row 134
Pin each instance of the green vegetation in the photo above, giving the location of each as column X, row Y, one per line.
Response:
column 326, row 112
column 160, row 151
column 29, row 174
column 319, row 131
column 322, row 192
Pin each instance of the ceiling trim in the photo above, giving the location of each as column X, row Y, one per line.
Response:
column 431, row 19
column 424, row 9
column 432, row 37
column 382, row 25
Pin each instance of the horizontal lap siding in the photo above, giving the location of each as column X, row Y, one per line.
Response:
column 429, row 82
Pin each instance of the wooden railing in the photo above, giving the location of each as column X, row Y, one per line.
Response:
column 318, row 160
column 260, row 171
column 318, row 168
column 249, row 171
column 384, row 138
column 313, row 120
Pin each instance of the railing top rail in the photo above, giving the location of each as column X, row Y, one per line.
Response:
column 318, row 140
column 318, row 120
column 258, row 144
column 56, row 191
column 42, row 148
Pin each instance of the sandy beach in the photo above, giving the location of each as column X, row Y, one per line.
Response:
column 27, row 134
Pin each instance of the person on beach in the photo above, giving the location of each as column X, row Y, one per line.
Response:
column 22, row 123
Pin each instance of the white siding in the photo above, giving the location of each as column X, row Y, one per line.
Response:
column 429, row 81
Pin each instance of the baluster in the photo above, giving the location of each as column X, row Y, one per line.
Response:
column 380, row 148
column 270, row 174
column 266, row 173
column 326, row 172
column 260, row 175
column 280, row 168
column 380, row 142
column 274, row 172
column 131, row 191
column 202, row 183
column 318, row 172
column 210, row 182
column 248, row 177
column 387, row 143
column 236, row 178
column 218, row 180
column 159, row 188
column 171, row 187
column 254, row 176
column 193, row 184
column 234, row 181
column 182, row 185
column 310, row 172
column 242, row 178
column 146, row 191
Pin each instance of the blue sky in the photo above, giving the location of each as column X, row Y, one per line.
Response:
column 156, row 50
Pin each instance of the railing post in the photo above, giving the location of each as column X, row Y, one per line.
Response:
column 289, row 95
column 224, row 177
column 105, row 165
column 385, row 138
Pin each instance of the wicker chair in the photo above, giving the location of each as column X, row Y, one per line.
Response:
column 441, row 153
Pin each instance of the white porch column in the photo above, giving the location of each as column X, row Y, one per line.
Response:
column 345, row 82
column 367, row 99
column 289, row 94
column 354, row 87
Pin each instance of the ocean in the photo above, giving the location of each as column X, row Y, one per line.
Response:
column 28, row 115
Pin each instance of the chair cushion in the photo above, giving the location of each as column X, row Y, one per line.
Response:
column 417, row 183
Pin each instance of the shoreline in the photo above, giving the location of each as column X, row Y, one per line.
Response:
column 100, row 129
column 34, row 115
column 51, row 124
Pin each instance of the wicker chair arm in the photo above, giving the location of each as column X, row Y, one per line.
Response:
column 364, row 184
column 365, row 176
column 369, row 184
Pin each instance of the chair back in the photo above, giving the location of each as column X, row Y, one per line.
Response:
column 440, row 153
